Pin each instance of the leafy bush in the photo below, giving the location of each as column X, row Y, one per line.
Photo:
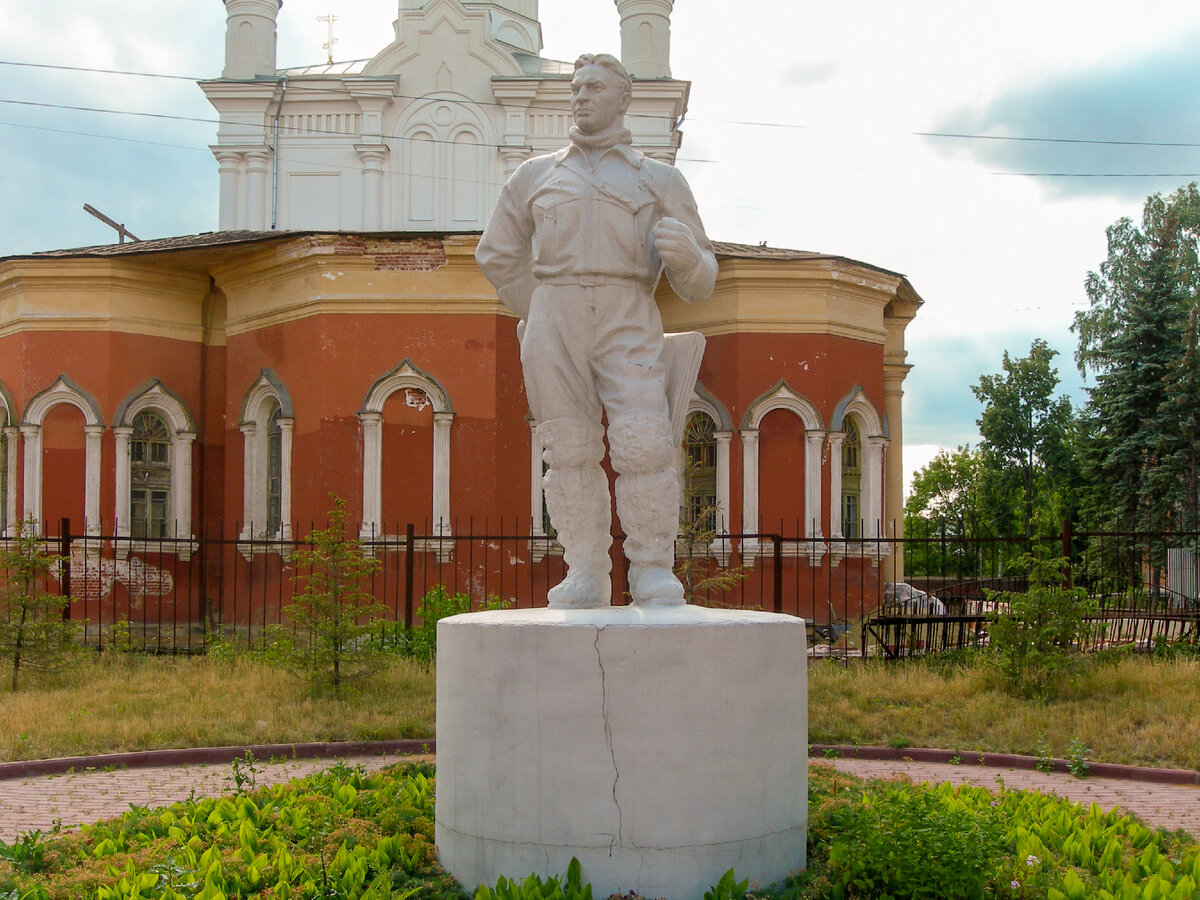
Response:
column 566, row 887
column 420, row 641
column 1036, row 640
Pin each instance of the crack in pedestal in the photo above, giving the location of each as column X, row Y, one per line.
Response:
column 609, row 738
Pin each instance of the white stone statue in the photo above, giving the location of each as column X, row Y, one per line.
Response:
column 575, row 248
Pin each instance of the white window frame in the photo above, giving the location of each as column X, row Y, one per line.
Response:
column 8, row 416
column 783, row 397
column 406, row 376
column 63, row 390
column 266, row 391
column 872, row 431
column 703, row 401
column 154, row 397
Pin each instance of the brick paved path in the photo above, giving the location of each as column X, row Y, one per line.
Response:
column 30, row 803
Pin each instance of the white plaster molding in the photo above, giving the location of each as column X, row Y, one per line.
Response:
column 749, row 494
column 155, row 397
column 11, row 526
column 266, row 391
column 783, row 397
column 406, row 376
column 63, row 390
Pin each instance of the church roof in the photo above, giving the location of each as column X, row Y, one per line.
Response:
column 532, row 66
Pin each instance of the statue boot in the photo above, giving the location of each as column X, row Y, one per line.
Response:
column 576, row 493
column 579, row 510
column 649, row 509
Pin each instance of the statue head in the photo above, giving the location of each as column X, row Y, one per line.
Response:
column 600, row 92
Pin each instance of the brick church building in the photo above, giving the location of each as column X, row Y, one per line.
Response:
column 335, row 335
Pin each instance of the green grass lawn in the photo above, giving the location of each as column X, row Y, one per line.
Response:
column 1136, row 710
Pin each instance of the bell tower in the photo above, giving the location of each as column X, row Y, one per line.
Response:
column 250, row 38
column 646, row 37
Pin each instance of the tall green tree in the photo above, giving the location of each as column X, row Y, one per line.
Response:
column 1134, row 339
column 956, row 503
column 1025, row 427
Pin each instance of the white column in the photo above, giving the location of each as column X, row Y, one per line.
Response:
column 812, row 484
column 286, row 428
column 249, row 482
column 10, row 490
column 256, row 189
column 229, row 166
column 512, row 157
column 91, row 489
column 723, row 438
column 181, row 483
column 373, row 157
column 372, row 473
column 872, row 486
column 121, row 435
column 31, row 506
column 836, row 526
column 441, row 472
column 749, row 493
column 535, row 480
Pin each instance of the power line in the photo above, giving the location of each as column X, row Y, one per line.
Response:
column 753, row 123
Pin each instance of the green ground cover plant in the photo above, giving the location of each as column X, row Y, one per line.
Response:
column 348, row 834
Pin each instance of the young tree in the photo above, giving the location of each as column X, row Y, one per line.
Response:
column 33, row 633
column 332, row 616
column 1024, row 426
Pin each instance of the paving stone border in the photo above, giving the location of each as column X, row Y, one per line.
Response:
column 1004, row 760
column 193, row 756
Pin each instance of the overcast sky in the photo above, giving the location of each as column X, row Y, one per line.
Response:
column 809, row 127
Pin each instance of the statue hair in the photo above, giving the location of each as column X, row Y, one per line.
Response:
column 606, row 61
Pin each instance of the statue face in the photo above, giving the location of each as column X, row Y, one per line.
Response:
column 598, row 99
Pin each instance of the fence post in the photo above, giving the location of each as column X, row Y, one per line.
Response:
column 64, row 541
column 777, row 553
column 409, row 533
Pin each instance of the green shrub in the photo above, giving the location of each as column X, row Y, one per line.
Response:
column 420, row 641
column 1037, row 639
column 903, row 842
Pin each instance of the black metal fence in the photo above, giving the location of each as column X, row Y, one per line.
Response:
column 179, row 596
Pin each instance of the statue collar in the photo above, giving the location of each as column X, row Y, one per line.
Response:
column 617, row 140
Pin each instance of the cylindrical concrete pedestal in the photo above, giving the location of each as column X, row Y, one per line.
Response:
column 658, row 746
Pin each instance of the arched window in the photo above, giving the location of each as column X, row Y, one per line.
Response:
column 851, row 482
column 266, row 425
column 700, row 473
column 152, row 440
column 149, row 476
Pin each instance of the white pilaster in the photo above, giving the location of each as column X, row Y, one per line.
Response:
column 373, row 158
column 249, row 481
column 372, row 511
column 872, row 486
column 121, row 435
column 181, row 482
column 31, row 505
column 229, row 167
column 441, row 472
column 11, row 433
column 91, row 488
column 257, row 169
column 749, row 493
column 814, row 442
column 836, row 526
